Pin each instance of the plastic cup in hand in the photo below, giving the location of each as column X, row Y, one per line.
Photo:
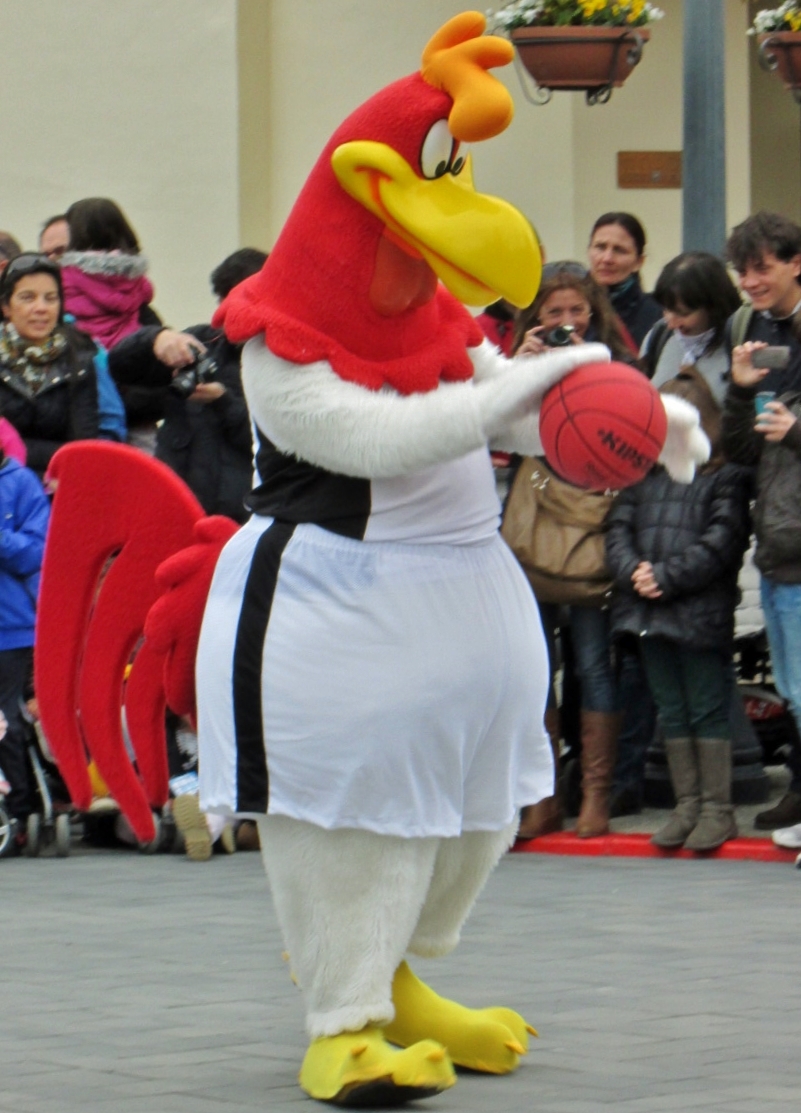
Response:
column 762, row 399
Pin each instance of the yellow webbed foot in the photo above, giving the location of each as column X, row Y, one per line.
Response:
column 362, row 1069
column 490, row 1040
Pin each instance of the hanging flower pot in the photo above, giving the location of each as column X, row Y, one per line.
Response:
column 590, row 58
column 780, row 53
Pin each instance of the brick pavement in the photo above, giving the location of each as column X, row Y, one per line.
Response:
column 154, row 985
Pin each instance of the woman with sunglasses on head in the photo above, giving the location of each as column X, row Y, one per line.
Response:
column 570, row 298
column 616, row 254
column 48, row 384
column 571, row 307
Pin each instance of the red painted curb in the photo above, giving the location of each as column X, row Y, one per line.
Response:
column 640, row 846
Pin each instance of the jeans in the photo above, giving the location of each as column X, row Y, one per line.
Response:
column 589, row 629
column 692, row 688
column 639, row 719
column 781, row 604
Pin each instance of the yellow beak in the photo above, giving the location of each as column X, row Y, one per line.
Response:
column 480, row 247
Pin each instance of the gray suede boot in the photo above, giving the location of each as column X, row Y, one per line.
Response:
column 683, row 765
column 716, row 824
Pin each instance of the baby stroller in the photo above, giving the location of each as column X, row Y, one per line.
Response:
column 45, row 825
column 50, row 820
column 6, row 824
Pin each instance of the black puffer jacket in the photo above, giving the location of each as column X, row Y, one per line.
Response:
column 208, row 444
column 694, row 535
column 63, row 409
column 777, row 511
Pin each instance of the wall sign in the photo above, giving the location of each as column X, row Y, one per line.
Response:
column 649, row 169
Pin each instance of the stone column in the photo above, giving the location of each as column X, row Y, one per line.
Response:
column 704, row 164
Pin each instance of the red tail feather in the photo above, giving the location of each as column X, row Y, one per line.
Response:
column 117, row 515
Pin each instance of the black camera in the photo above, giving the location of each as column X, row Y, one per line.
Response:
column 187, row 381
column 559, row 337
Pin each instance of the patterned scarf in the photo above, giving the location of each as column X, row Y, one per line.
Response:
column 30, row 361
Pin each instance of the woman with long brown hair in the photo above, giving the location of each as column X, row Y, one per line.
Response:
column 569, row 297
column 571, row 308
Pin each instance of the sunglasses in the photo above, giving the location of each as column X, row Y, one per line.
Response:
column 27, row 263
column 575, row 270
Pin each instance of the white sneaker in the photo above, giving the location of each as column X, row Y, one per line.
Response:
column 788, row 837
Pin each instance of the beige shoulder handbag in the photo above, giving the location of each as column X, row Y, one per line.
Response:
column 556, row 531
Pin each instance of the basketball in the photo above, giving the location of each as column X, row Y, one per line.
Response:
column 603, row 426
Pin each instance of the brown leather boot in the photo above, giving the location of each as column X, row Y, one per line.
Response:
column 599, row 731
column 546, row 816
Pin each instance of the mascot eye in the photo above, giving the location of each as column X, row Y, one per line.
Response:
column 460, row 158
column 435, row 157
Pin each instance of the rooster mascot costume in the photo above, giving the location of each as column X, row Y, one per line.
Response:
column 370, row 672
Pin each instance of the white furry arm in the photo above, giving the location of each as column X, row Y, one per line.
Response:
column 523, row 434
column 308, row 410
column 686, row 444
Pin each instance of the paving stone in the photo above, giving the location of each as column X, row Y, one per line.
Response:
column 155, row 985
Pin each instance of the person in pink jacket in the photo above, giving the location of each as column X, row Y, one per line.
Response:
column 106, row 288
column 11, row 443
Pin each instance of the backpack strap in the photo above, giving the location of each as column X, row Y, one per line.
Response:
column 656, row 340
column 740, row 322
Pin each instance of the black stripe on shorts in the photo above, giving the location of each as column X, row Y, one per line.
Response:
column 252, row 785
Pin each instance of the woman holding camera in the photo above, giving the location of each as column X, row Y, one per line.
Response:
column 48, row 384
column 571, row 308
column 569, row 299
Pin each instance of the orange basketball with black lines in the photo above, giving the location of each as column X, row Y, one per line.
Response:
column 603, row 426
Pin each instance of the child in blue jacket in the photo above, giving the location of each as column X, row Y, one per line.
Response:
column 24, row 513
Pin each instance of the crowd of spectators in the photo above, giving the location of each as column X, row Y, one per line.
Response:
column 662, row 638
column 83, row 354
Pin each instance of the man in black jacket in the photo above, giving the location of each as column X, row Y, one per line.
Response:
column 205, row 436
column 766, row 252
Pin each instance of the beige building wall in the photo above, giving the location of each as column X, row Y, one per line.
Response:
column 646, row 115
column 556, row 162
column 134, row 100
column 326, row 57
column 204, row 117
column 775, row 142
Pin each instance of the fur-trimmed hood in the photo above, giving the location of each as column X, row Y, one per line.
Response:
column 105, row 291
column 107, row 263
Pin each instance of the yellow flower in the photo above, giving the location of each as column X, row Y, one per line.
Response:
column 795, row 21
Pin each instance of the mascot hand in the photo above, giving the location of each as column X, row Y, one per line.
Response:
column 506, row 399
column 686, row 444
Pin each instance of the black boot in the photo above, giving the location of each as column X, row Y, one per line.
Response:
column 784, row 814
